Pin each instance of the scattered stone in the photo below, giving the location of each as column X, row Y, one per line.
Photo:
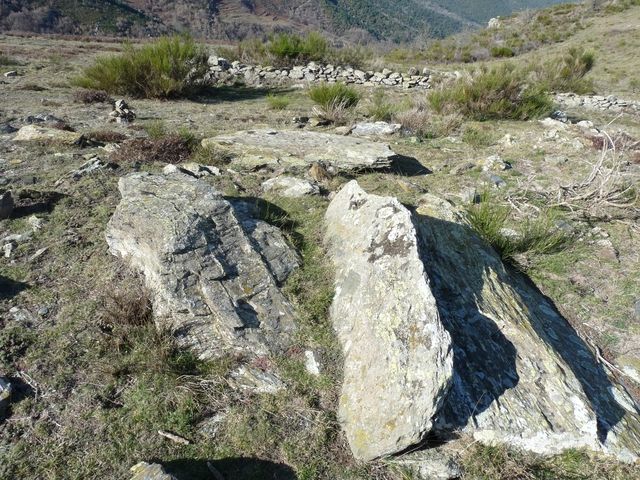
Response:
column 507, row 141
column 38, row 254
column 398, row 362
column 494, row 162
column 44, row 119
column 93, row 165
column 36, row 133
column 194, row 169
column 255, row 380
column 121, row 112
column 291, row 187
column 470, row 195
column 299, row 149
column 462, row 167
column 5, row 397
column 553, row 124
column 6, row 128
column 560, row 116
column 368, row 129
column 11, row 73
column 35, row 223
column 43, row 311
column 556, row 159
column 7, row 249
column 146, row 471
column 585, row 124
column 310, row 363
column 496, row 181
column 343, row 130
column 212, row 269
column 431, row 464
column 319, row 122
column 6, row 205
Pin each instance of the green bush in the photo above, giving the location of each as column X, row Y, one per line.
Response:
column 498, row 92
column 380, row 109
column 567, row 73
column 278, row 102
column 333, row 94
column 166, row 68
column 289, row 49
column 502, row 52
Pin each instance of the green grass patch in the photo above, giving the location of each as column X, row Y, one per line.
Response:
column 278, row 102
column 380, row 108
column 477, row 137
column 166, row 68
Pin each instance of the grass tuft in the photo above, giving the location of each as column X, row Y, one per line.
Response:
column 278, row 102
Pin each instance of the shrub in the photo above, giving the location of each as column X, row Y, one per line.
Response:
column 155, row 129
column 421, row 121
column 502, row 52
column 499, row 92
column 477, row 137
column 356, row 57
column 167, row 68
column 92, row 96
column 212, row 155
column 289, row 49
column 278, row 102
column 327, row 95
column 566, row 74
column 537, row 236
column 171, row 148
column 106, row 136
column 380, row 109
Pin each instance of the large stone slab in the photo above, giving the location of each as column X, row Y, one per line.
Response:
column 213, row 269
column 397, row 355
column 46, row 135
column 522, row 375
column 300, row 149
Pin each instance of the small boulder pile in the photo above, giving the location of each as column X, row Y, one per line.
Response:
column 122, row 113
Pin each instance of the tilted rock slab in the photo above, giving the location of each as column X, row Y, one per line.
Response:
column 398, row 359
column 38, row 134
column 212, row 269
column 522, row 375
column 299, row 149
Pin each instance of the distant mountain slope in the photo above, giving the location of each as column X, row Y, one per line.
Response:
column 381, row 20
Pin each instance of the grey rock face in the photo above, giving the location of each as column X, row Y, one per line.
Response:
column 150, row 471
column 212, row 268
column 300, row 149
column 431, row 464
column 522, row 376
column 371, row 129
column 291, row 187
column 398, row 358
column 5, row 396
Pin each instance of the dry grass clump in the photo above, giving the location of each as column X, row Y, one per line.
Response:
column 422, row 121
column 334, row 101
column 171, row 148
column 89, row 96
column 106, row 136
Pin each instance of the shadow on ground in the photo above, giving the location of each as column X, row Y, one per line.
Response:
column 230, row 468
column 10, row 288
column 234, row 93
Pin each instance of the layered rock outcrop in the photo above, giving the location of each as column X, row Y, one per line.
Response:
column 521, row 375
column 212, row 267
column 297, row 150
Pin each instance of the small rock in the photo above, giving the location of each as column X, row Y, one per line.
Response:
column 146, row 471
column 497, row 181
column 506, row 141
column 122, row 113
column 5, row 396
column 6, row 205
column 35, row 133
column 7, row 249
column 560, row 116
column 462, row 167
column 43, row 311
column 310, row 363
column 344, row 130
column 319, row 122
column 256, row 380
column 430, row 464
column 38, row 254
column 319, row 173
column 494, row 162
column 6, row 128
column 367, row 129
column 636, row 310
column 291, row 187
column 556, row 159
column 554, row 124
column 470, row 195
column 11, row 73
column 586, row 124
column 35, row 223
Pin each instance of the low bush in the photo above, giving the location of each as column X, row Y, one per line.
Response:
column 92, row 96
column 212, row 156
column 502, row 52
column 106, row 136
column 421, row 121
column 291, row 49
column 567, row 73
column 167, row 68
column 498, row 92
column 171, row 148
column 381, row 109
column 334, row 101
column 330, row 94
column 278, row 102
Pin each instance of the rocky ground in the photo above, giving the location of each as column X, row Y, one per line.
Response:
column 239, row 371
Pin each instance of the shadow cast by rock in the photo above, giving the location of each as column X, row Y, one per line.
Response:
column 233, row 93
column 10, row 288
column 238, row 468
column 29, row 202
column 407, row 167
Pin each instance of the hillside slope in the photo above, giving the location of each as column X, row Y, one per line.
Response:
column 380, row 20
